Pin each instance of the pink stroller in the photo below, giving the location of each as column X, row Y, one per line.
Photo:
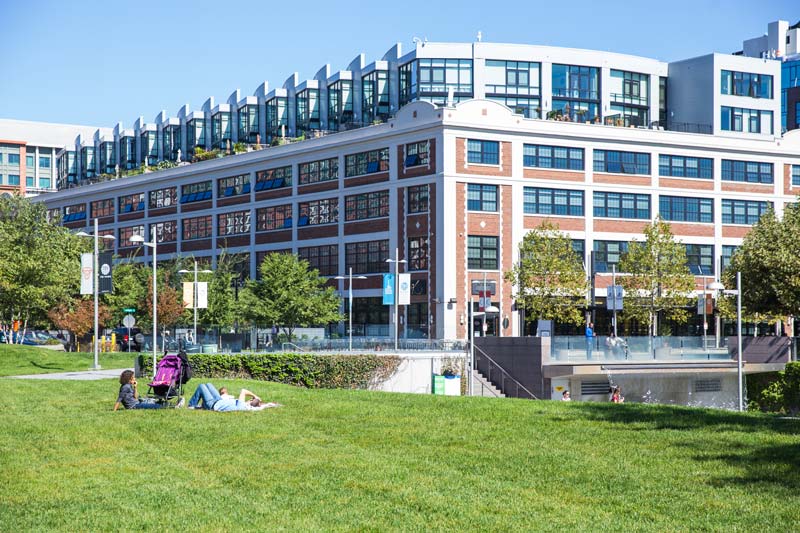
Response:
column 167, row 385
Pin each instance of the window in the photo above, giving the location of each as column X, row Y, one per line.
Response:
column 233, row 186
column 621, row 162
column 483, row 152
column 29, row 161
column 197, row 228
column 13, row 159
column 515, row 84
column 482, row 252
column 579, row 247
column 747, row 171
column 621, row 205
column 316, row 171
column 746, row 120
column 727, row 253
column 543, row 201
column 576, row 92
column 102, row 208
column 418, row 199
column 743, row 211
column 131, row 203
column 324, row 258
column 163, row 197
column 552, row 157
column 417, row 154
column 233, row 223
column 366, row 162
column 418, row 253
column 796, row 175
column 274, row 217
column 315, row 212
column 430, row 80
column 54, row 214
column 366, row 205
column 685, row 167
column 29, row 181
column 125, row 235
column 746, row 84
column 44, row 183
column 700, row 259
column 273, row 178
column 375, row 100
column 44, row 161
column 367, row 257
column 681, row 209
column 13, row 179
column 196, row 192
column 607, row 254
column 166, row 231
column 482, row 197
column 73, row 212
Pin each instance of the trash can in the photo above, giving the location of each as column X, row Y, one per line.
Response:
column 209, row 348
column 452, row 385
column 438, row 384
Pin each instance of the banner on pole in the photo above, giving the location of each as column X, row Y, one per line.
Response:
column 388, row 289
column 87, row 273
column 202, row 295
column 614, row 297
column 188, row 297
column 404, row 289
column 105, row 262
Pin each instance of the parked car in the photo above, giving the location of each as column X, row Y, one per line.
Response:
column 136, row 338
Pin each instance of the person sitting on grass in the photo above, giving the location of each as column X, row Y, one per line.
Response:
column 206, row 396
column 129, row 394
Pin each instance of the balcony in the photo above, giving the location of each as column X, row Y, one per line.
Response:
column 648, row 350
column 621, row 98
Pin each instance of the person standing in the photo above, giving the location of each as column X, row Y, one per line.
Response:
column 589, row 340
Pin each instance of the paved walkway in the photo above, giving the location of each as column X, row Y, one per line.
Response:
column 79, row 376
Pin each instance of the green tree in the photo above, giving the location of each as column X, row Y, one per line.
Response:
column 131, row 283
column 289, row 295
column 656, row 277
column 550, row 279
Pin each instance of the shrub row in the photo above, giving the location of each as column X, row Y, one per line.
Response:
column 775, row 392
column 342, row 371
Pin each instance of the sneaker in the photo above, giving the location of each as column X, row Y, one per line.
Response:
column 180, row 403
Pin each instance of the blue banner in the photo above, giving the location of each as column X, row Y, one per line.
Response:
column 388, row 289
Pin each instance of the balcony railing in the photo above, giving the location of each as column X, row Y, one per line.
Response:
column 622, row 98
column 576, row 349
column 576, row 94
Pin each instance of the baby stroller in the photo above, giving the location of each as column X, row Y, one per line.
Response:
column 172, row 372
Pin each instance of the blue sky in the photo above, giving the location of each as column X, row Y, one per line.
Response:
column 100, row 62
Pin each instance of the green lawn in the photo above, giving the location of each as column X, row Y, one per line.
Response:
column 21, row 360
column 345, row 460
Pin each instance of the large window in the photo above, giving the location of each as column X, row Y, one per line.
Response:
column 482, row 252
column 148, row 146
column 221, row 129
column 171, row 142
column 630, row 98
column 131, row 203
column 576, row 92
column 482, row 197
column 195, row 134
column 418, row 253
column 795, row 175
column 366, row 162
column 340, row 104
column 544, row 201
column 375, row 100
column 727, row 253
column 417, row 154
column 196, row 192
column 700, row 259
column 166, row 231
column 248, row 123
column 747, row 171
column 552, row 157
column 483, row 152
column 366, row 205
column 746, row 120
column 233, row 186
column 163, row 197
column 316, row 171
column 367, row 257
column 315, row 212
column 103, row 208
column 746, row 84
column 621, row 162
column 682, row 209
column 234, row 223
column 197, row 228
column 307, row 110
column 607, row 254
column 274, row 217
column 515, row 84
column 274, row 178
column 124, row 235
column 13, row 159
column 679, row 166
column 621, row 205
column 277, row 117
column 431, row 80
column 74, row 212
column 743, row 211
column 324, row 258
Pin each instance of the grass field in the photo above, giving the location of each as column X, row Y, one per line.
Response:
column 21, row 360
column 345, row 460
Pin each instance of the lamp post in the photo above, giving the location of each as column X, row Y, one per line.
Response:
column 396, row 261
column 738, row 293
column 350, row 305
column 154, row 246
column 95, row 280
column 194, row 294
column 714, row 286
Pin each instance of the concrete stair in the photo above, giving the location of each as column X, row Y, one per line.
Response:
column 482, row 387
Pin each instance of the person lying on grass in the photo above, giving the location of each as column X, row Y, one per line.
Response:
column 129, row 394
column 206, row 396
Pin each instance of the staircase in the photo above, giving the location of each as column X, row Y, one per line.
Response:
column 482, row 387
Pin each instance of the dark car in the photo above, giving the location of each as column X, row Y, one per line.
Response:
column 136, row 339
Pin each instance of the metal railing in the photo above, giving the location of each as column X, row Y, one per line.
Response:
column 689, row 127
column 499, row 373
column 576, row 349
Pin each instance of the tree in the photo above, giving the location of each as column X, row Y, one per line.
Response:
column 170, row 303
column 289, row 295
column 77, row 316
column 656, row 277
column 550, row 279
column 130, row 290
column 221, row 299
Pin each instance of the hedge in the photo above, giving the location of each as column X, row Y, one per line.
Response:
column 340, row 371
column 776, row 392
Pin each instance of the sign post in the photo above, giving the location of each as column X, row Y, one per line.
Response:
column 129, row 322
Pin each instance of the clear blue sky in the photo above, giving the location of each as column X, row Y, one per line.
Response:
column 100, row 62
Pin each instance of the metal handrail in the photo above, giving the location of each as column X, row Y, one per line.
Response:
column 505, row 374
column 296, row 347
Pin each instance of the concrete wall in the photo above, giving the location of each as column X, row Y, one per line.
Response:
column 762, row 349
column 415, row 373
column 520, row 357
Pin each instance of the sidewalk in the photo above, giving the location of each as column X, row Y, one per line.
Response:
column 88, row 375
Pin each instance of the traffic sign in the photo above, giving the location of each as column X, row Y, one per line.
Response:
column 128, row 321
column 129, row 310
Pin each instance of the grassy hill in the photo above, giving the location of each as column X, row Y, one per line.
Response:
column 20, row 360
column 345, row 460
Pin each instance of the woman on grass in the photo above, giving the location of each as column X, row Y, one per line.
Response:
column 129, row 394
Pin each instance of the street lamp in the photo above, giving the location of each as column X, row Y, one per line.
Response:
column 396, row 261
column 738, row 293
column 488, row 309
column 194, row 293
column 714, row 286
column 95, row 279
column 154, row 246
column 350, row 308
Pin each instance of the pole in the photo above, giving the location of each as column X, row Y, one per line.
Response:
column 613, row 297
column 155, row 299
column 471, row 347
column 350, row 311
column 705, row 324
column 396, row 296
column 194, row 300
column 739, row 333
column 96, row 319
column 483, row 319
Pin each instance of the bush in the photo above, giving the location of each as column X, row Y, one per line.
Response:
column 776, row 392
column 338, row 371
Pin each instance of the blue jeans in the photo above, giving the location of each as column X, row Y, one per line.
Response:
column 207, row 393
column 589, row 346
column 144, row 404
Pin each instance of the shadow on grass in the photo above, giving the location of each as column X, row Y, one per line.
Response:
column 774, row 465
column 46, row 367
